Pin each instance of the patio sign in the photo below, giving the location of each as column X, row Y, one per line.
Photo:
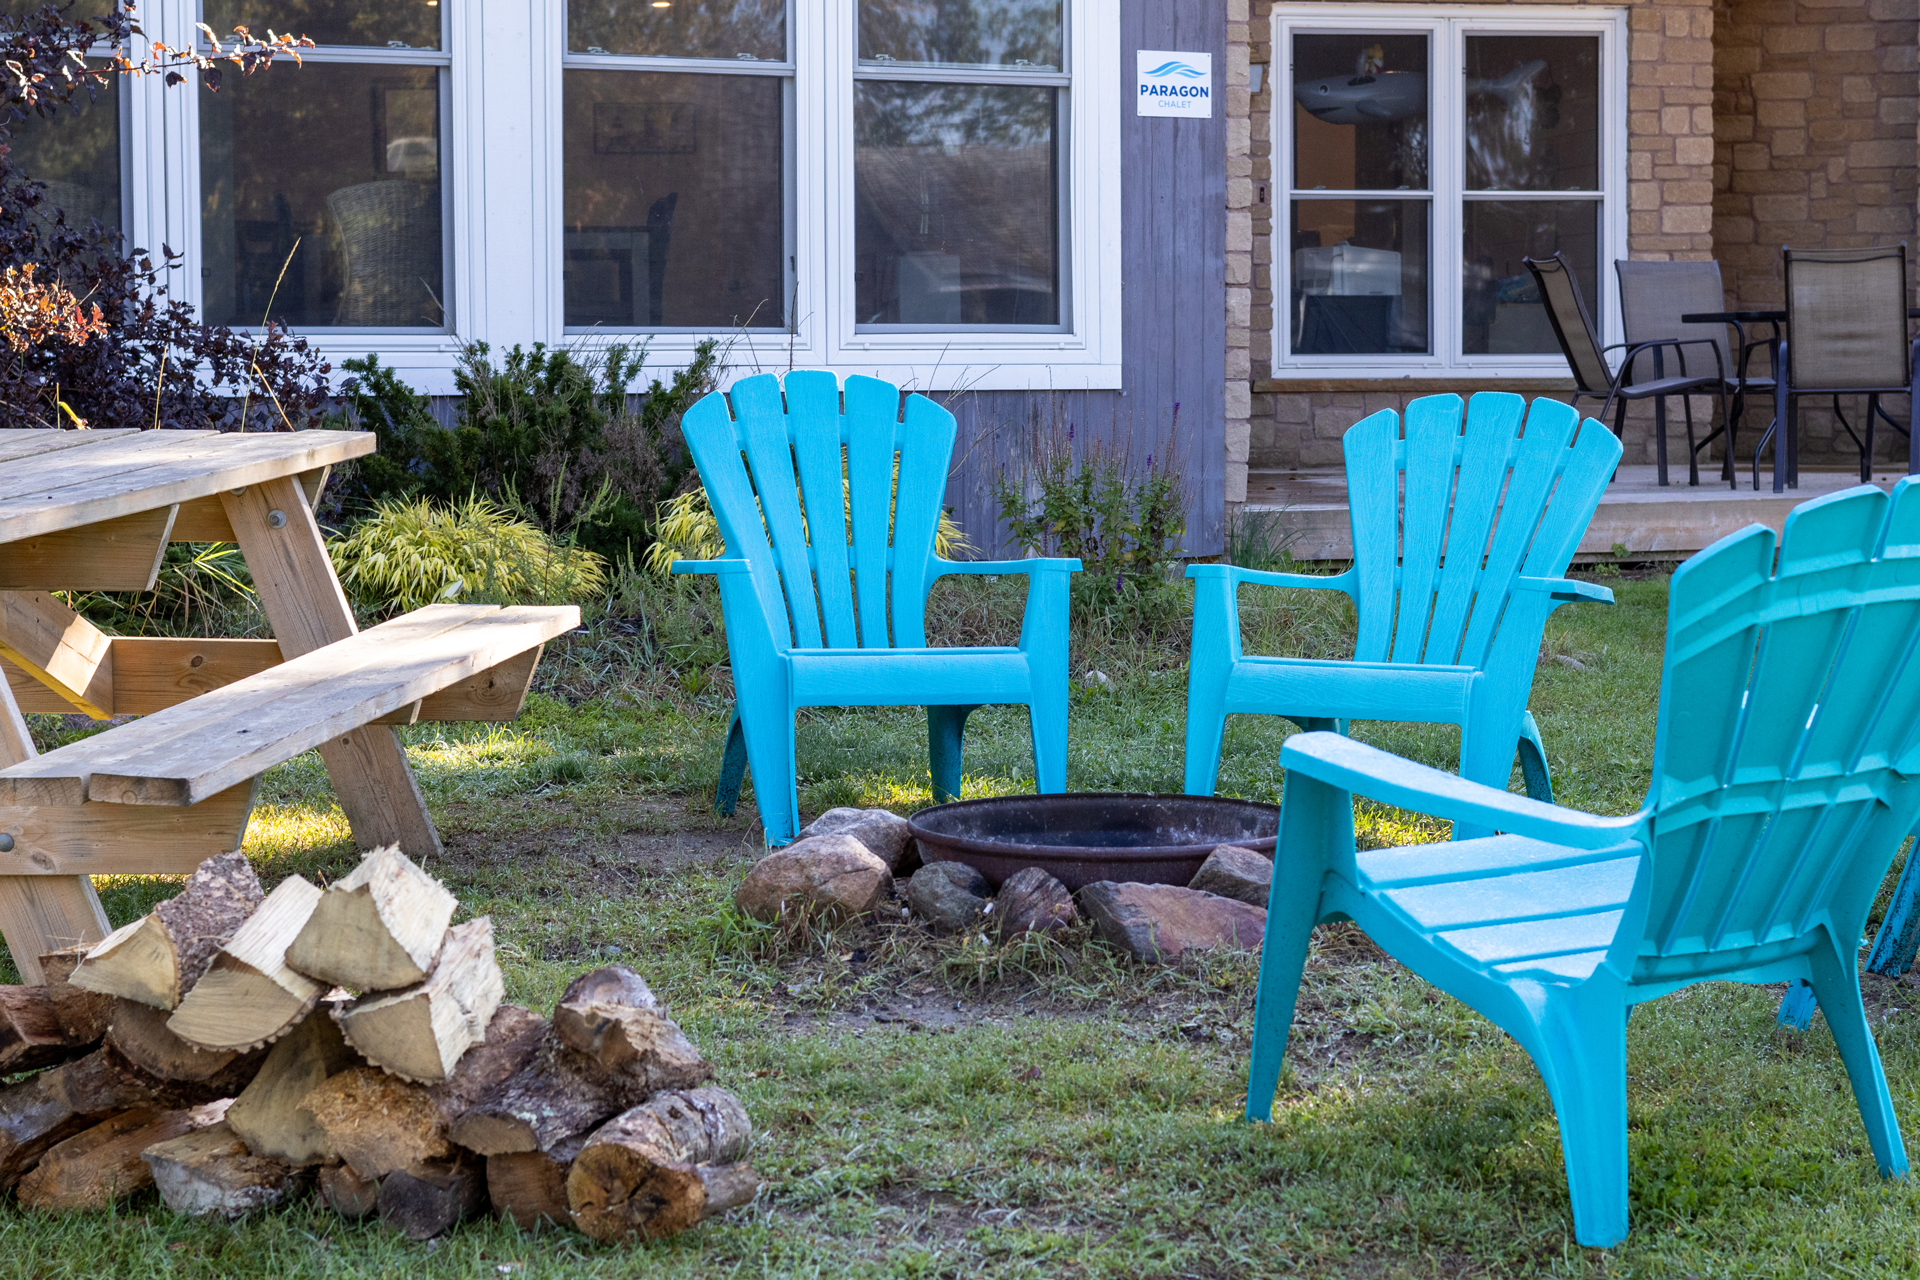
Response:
column 1175, row 84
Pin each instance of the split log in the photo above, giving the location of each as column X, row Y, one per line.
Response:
column 101, row 1165
column 83, row 1014
column 270, row 1114
column 559, row 1093
column 142, row 1034
column 249, row 997
column 611, row 1015
column 530, row 1187
column 422, row 1202
column 420, row 1034
column 347, row 1193
column 158, row 958
column 212, row 1174
column 31, row 1033
column 378, row 1123
column 378, row 929
column 105, row 1081
column 35, row 1115
column 662, row 1167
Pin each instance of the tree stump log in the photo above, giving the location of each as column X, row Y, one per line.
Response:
column 662, row 1167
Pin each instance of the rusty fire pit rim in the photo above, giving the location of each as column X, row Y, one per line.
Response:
column 1084, row 853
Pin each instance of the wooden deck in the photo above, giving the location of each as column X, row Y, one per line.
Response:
column 1650, row 522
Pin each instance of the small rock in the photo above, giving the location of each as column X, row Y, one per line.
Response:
column 833, row 878
column 1233, row 872
column 1161, row 922
column 882, row 831
column 948, row 895
column 1030, row 901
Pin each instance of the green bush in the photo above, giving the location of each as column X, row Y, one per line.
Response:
column 413, row 553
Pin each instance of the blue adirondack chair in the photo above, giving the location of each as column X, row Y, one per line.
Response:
column 1461, row 535
column 1786, row 772
column 808, row 600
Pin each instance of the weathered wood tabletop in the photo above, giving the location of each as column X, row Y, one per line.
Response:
column 95, row 510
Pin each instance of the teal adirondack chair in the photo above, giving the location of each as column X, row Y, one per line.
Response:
column 1461, row 537
column 1786, row 772
column 807, row 599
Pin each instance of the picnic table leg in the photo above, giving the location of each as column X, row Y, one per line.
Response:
column 287, row 556
column 40, row 913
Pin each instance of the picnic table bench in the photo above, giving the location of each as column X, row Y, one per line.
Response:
column 95, row 510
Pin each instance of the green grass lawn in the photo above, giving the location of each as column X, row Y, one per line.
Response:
column 937, row 1107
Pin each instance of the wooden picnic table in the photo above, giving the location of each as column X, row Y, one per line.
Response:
column 95, row 510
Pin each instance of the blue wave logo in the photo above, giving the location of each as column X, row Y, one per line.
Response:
column 1180, row 69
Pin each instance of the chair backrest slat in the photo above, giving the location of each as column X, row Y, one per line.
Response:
column 1847, row 318
column 1653, row 297
column 1371, row 447
column 1788, row 699
column 1430, row 447
column 1485, row 451
column 1567, row 313
column 803, row 487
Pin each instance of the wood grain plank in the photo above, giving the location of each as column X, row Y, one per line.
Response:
column 26, row 442
column 60, row 649
column 42, row 495
column 152, row 673
column 494, row 696
column 114, row 555
column 123, row 839
column 205, row 519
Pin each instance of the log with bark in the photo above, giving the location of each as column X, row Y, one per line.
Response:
column 530, row 1187
column 346, row 1192
column 378, row 929
column 83, row 1014
column 558, row 1094
column 142, row 1034
column 611, row 1015
column 662, row 1167
column 249, row 997
column 158, row 958
column 425, row 1200
column 211, row 1173
column 420, row 1033
column 101, row 1165
column 31, row 1033
column 270, row 1114
column 34, row 1115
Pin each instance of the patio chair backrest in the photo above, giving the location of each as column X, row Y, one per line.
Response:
column 1653, row 297
column 1786, row 764
column 1847, row 318
column 1572, row 325
column 1445, row 518
column 784, row 476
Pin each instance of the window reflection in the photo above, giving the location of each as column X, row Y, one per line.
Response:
column 1359, row 277
column 341, row 159
column 407, row 24
column 1533, row 113
column 1360, row 112
column 675, row 191
column 956, row 204
column 1502, row 311
column 962, row 33
column 754, row 30
column 76, row 153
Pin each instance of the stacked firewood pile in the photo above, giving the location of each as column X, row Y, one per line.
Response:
column 235, row 1048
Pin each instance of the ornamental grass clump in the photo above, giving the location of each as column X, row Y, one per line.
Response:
column 688, row 530
column 413, row 553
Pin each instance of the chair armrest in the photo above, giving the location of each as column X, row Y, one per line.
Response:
column 1347, row 581
column 715, row 567
column 1353, row 766
column 1038, row 564
column 1566, row 590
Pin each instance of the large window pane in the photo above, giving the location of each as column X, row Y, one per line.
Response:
column 1503, row 311
column 77, row 155
column 411, row 24
column 1359, row 277
column 675, row 211
column 962, row 33
column 1360, row 112
column 956, row 204
column 341, row 160
column 755, row 30
column 1533, row 113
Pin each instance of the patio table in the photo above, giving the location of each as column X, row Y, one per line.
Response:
column 94, row 511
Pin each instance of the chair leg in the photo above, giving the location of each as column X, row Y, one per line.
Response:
column 1047, row 722
column 1216, row 629
column 1693, row 457
column 1866, row 448
column 733, row 767
column 1660, row 436
column 1913, row 411
column 1533, row 761
column 946, row 728
column 1899, row 937
column 776, row 792
column 1837, row 984
column 1796, row 1007
column 1783, row 425
column 1583, row 1060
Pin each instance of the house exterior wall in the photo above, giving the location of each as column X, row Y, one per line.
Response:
column 1750, row 123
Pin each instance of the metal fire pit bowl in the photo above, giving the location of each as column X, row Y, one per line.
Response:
column 1083, row 837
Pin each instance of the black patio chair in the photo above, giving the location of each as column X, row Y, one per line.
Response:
column 1593, row 380
column 1653, row 297
column 1846, row 335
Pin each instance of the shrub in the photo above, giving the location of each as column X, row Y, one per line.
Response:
column 412, row 553
column 688, row 530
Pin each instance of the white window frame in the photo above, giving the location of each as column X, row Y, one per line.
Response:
column 1447, row 28
column 501, row 161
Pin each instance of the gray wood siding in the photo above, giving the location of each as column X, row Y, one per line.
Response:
column 1174, row 335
